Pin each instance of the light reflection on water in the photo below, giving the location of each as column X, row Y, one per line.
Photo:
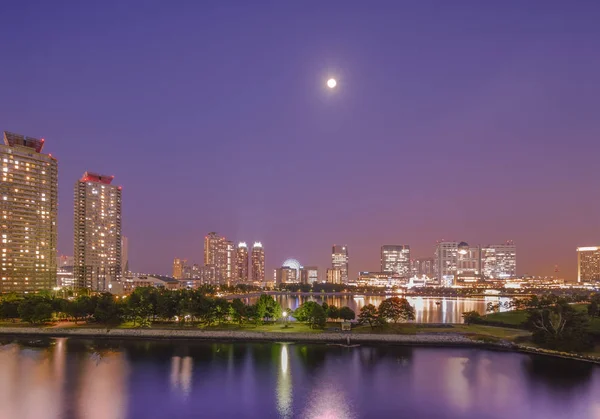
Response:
column 63, row 378
column 427, row 309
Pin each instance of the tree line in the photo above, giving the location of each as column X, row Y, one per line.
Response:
column 554, row 321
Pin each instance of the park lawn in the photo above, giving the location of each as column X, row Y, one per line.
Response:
column 509, row 318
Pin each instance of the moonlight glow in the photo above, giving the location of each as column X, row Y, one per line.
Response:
column 331, row 83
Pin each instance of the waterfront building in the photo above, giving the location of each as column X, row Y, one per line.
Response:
column 242, row 263
column 588, row 264
column 468, row 264
column 209, row 275
column 258, row 263
column 334, row 276
column 339, row 260
column 445, row 262
column 499, row 261
column 64, row 271
column 309, row 275
column 28, row 208
column 294, row 264
column 286, row 275
column 396, row 259
column 97, row 232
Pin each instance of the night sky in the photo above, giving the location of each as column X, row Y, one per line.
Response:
column 473, row 120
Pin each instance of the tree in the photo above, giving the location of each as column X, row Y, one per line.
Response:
column 220, row 309
column 35, row 310
column 368, row 315
column 560, row 327
column 107, row 310
column 9, row 307
column 396, row 309
column 593, row 307
column 268, row 308
column 346, row 313
column 332, row 312
column 239, row 311
column 471, row 317
column 311, row 313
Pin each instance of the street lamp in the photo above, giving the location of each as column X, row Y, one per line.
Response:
column 284, row 315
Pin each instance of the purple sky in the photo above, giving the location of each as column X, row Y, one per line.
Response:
column 475, row 121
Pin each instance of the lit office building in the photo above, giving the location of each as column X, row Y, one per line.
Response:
column 64, row 271
column 286, row 275
column 209, row 275
column 97, row 244
column 396, row 259
column 28, row 205
column 468, row 263
column 258, row 263
column 588, row 264
column 422, row 267
column 339, row 260
column 334, row 276
column 445, row 262
column 242, row 263
column 499, row 261
column 309, row 275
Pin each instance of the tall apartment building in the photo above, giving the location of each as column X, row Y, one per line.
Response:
column 178, row 265
column 499, row 261
column 242, row 263
column 258, row 262
column 97, row 238
column 28, row 207
column 396, row 259
column 588, row 264
column 221, row 253
column 339, row 260
column 230, row 271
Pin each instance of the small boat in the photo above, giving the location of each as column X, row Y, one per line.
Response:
column 437, row 303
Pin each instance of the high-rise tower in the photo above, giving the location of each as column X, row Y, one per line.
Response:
column 339, row 260
column 97, row 244
column 258, row 262
column 28, row 206
column 396, row 259
column 242, row 263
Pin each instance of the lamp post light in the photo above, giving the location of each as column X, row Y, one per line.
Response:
column 284, row 316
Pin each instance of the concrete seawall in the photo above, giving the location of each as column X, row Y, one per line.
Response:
column 420, row 339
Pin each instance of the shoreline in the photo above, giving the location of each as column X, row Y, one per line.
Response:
column 442, row 339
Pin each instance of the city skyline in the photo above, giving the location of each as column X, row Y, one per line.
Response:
column 509, row 121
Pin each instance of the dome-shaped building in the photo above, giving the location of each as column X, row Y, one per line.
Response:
column 463, row 248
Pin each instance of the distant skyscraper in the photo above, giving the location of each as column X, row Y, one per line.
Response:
column 64, row 272
column 230, row 262
column 242, row 263
column 215, row 254
column 396, row 259
column 334, row 276
column 309, row 274
column 97, row 232
column 588, row 264
column 178, row 268
column 28, row 205
column 499, row 261
column 258, row 262
column 339, row 260
column 124, row 254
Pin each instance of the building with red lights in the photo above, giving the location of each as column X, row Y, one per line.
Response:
column 97, row 244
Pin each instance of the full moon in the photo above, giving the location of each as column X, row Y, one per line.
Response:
column 331, row 83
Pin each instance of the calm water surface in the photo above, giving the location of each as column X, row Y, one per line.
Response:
column 105, row 379
column 427, row 310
